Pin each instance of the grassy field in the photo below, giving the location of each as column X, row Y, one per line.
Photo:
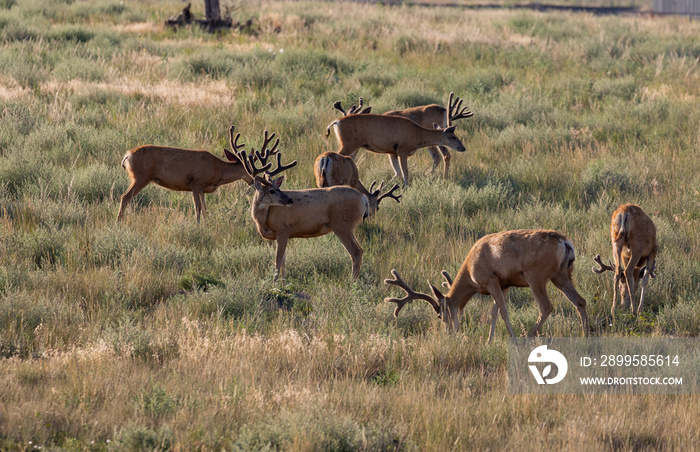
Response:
column 163, row 334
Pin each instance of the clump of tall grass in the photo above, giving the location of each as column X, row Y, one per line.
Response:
column 430, row 196
column 321, row 429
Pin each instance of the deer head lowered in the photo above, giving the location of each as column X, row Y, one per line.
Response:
column 633, row 237
column 180, row 170
column 496, row 262
column 284, row 215
column 331, row 169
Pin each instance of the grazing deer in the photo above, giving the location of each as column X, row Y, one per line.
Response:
column 496, row 262
column 180, row 170
column 331, row 169
column 308, row 213
column 428, row 115
column 633, row 237
column 394, row 135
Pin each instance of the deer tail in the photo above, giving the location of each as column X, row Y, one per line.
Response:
column 322, row 172
column 622, row 221
column 328, row 130
column 569, row 254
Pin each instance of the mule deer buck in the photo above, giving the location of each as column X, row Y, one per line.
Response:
column 633, row 237
column 393, row 135
column 178, row 169
column 331, row 169
column 283, row 215
column 496, row 262
column 426, row 116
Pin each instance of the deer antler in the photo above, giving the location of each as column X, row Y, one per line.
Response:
column 354, row 110
column 235, row 146
column 263, row 156
column 603, row 267
column 455, row 110
column 339, row 107
column 389, row 194
column 410, row 294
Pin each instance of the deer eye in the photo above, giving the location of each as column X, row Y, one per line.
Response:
column 272, row 192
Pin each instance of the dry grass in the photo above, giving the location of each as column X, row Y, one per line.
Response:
column 162, row 334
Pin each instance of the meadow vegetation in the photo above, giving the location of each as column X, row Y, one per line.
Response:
column 160, row 333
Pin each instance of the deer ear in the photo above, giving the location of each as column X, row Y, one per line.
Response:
column 436, row 292
column 258, row 185
column 436, row 125
column 450, row 129
column 447, row 284
column 231, row 156
column 278, row 182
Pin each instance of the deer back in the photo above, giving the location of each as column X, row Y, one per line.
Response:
column 424, row 116
column 507, row 255
column 632, row 227
column 629, row 222
column 318, row 211
column 331, row 168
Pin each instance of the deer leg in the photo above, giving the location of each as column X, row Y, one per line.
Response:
column 494, row 289
column 198, row 195
column 200, row 204
column 617, row 287
column 630, row 283
column 446, row 156
column 128, row 195
column 622, row 279
column 651, row 263
column 435, row 155
column 494, row 315
column 280, row 256
column 403, row 162
column 348, row 152
column 353, row 248
column 568, row 289
column 394, row 160
column 203, row 197
column 539, row 290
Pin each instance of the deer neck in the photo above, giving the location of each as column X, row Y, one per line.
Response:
column 430, row 138
column 233, row 172
column 463, row 288
column 260, row 213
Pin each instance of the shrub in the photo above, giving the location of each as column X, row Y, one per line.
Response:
column 321, row 429
column 45, row 246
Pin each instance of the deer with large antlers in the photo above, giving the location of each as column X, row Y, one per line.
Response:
column 283, row 215
column 178, row 169
column 633, row 237
column 394, row 135
column 496, row 262
column 331, row 169
column 426, row 116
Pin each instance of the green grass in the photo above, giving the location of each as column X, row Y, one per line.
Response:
column 160, row 333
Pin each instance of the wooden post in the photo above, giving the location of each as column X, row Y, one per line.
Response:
column 212, row 11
